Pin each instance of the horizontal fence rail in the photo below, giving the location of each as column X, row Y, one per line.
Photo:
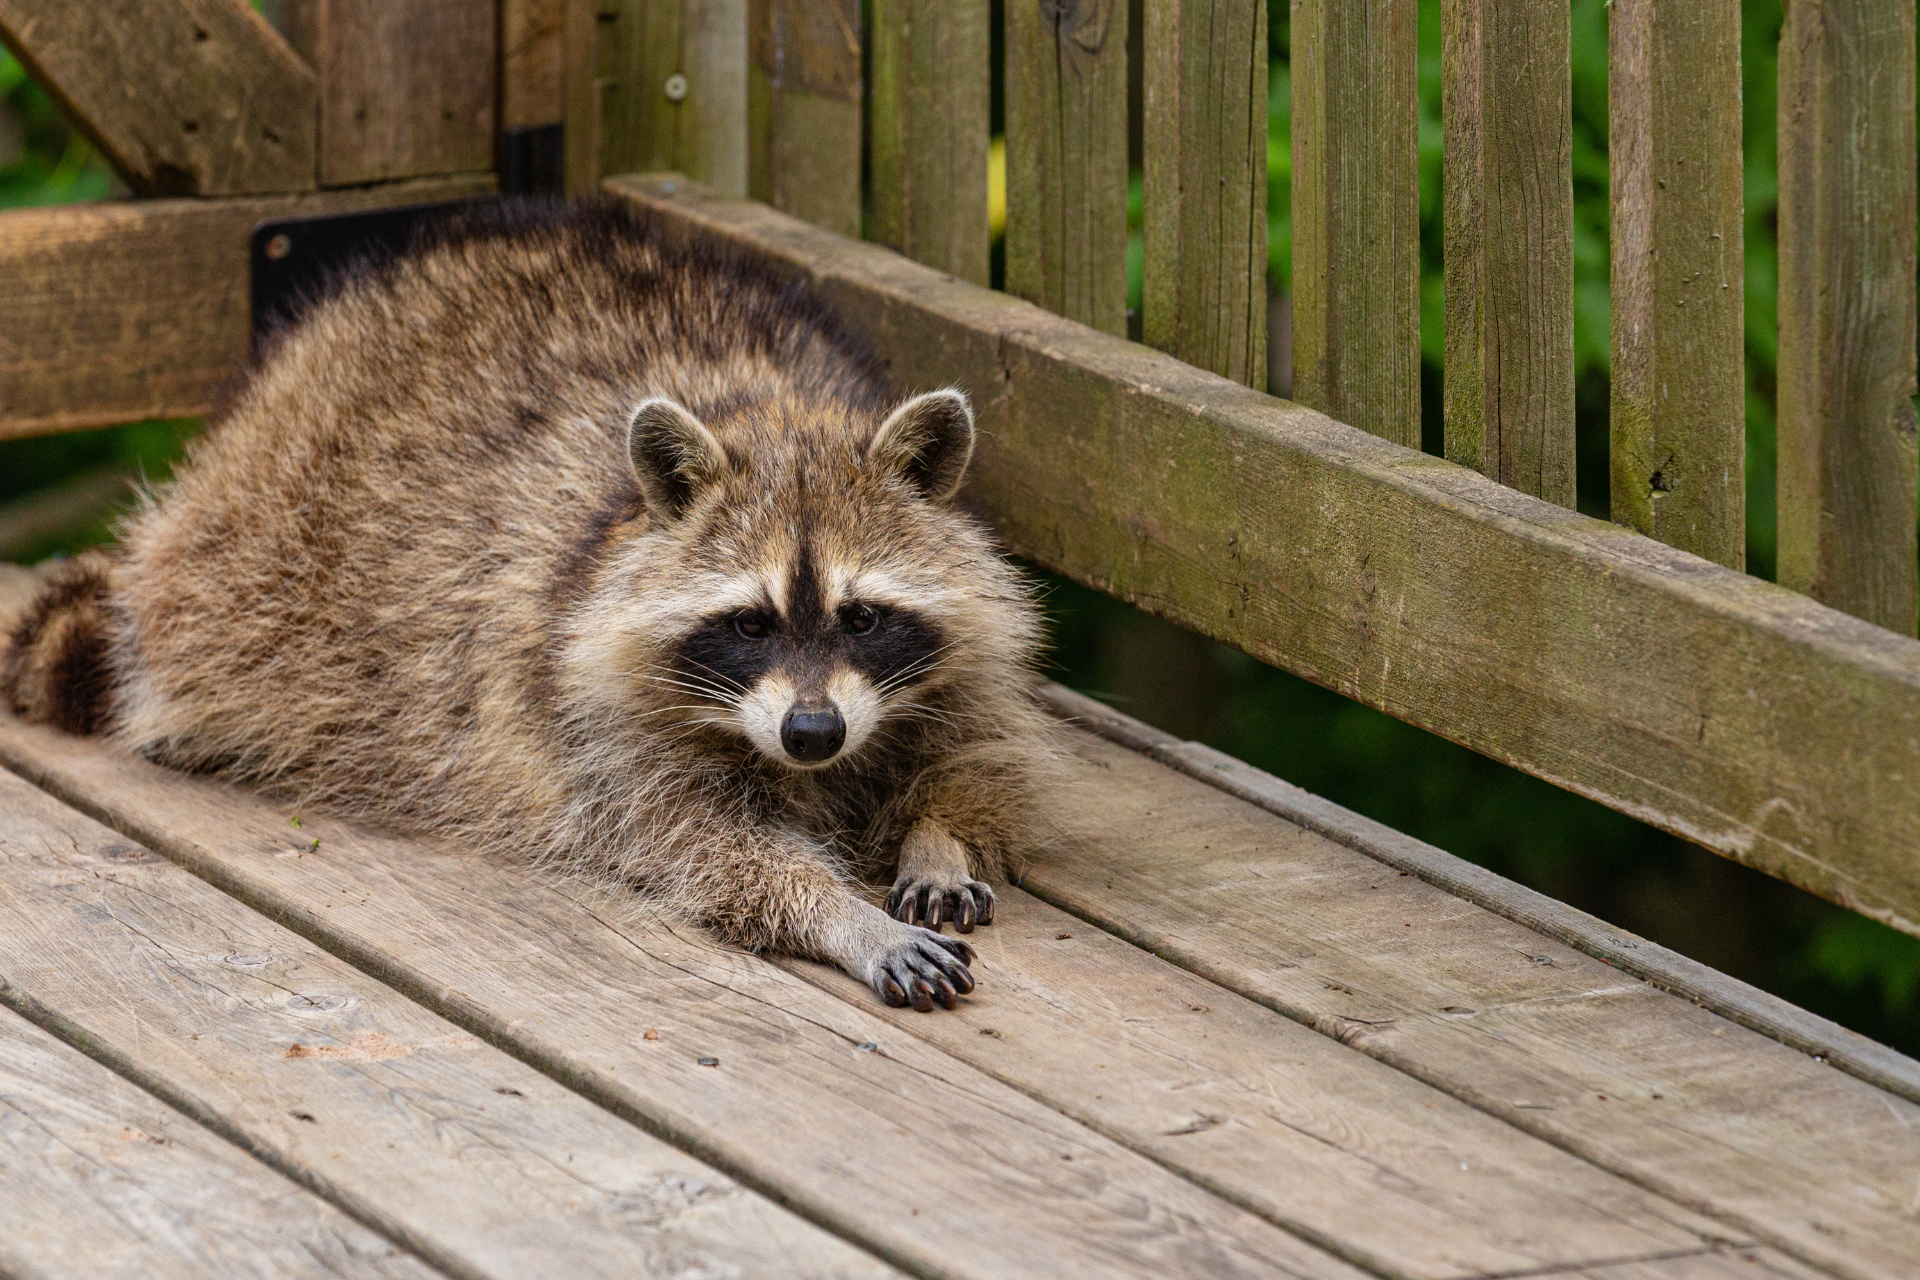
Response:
column 1745, row 717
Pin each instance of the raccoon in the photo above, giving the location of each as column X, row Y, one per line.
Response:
column 560, row 537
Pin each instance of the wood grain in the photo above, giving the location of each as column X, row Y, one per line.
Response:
column 532, row 38
column 1066, row 105
column 928, row 120
column 878, row 1144
column 1737, row 714
column 475, row 1161
column 1773, row 1142
column 406, row 90
column 1204, row 295
column 1848, row 466
column 122, row 311
column 1506, row 108
column 99, row 1179
column 1671, row 972
column 1356, row 214
column 1679, row 403
column 804, row 110
column 185, row 97
column 624, row 60
column 1381, row 1170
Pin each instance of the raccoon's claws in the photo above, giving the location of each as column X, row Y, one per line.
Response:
column 923, row 969
column 965, row 904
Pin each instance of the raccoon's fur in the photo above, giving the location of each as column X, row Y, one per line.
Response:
column 557, row 537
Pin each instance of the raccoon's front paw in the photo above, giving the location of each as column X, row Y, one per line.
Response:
column 921, row 968
column 930, row 897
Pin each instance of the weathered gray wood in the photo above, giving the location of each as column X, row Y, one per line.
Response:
column 1679, row 404
column 1735, row 713
column 406, row 90
column 878, row 1144
column 804, row 110
column 99, row 1179
column 122, row 311
column 1356, row 214
column 474, row 1160
column 1848, row 466
column 1773, row 1142
column 928, row 142
column 1506, row 109
column 1066, row 99
column 1205, row 120
column 1689, row 979
column 581, row 96
column 1381, row 1170
column 185, row 97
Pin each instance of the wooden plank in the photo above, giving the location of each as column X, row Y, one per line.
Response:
column 929, row 121
column 669, row 88
column 1356, row 214
column 99, row 1179
column 1679, row 404
column 581, row 96
column 1847, row 462
column 406, row 90
column 1506, row 111
column 1775, row 1143
column 122, row 311
column 1648, row 961
column 1737, row 714
column 819, row 1103
column 474, row 1160
column 185, row 97
column 1066, row 104
column 1381, row 1170
column 532, row 37
column 1205, row 106
column 804, row 110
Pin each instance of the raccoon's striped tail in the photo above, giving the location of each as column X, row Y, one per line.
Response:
column 54, row 662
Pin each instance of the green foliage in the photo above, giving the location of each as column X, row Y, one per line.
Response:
column 43, row 159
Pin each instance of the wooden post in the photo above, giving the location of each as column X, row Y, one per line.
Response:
column 1067, row 158
column 1356, row 213
column 1679, row 338
column 928, row 134
column 1506, row 102
column 406, row 90
column 531, row 101
column 1847, row 297
column 803, row 110
column 1205, row 295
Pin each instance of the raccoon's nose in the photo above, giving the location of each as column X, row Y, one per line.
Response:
column 813, row 735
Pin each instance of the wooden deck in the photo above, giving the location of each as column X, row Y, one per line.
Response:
column 1224, row 1029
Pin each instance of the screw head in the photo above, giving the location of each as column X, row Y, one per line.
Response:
column 675, row 87
column 279, row 247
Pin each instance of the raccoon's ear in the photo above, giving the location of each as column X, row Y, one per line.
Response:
column 674, row 456
column 928, row 441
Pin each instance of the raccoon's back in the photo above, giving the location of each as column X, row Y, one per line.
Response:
column 352, row 584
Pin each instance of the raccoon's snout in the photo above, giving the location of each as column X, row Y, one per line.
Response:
column 814, row 734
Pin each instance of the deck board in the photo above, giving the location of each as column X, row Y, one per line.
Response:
column 475, row 1160
column 1371, row 1164
column 100, row 1179
column 879, row 1144
column 1670, row 1095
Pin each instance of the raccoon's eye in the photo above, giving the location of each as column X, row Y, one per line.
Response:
column 859, row 619
column 752, row 624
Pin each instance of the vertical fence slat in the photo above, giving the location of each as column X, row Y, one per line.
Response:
column 1678, row 457
column 1356, row 213
column 1067, row 158
column 804, row 113
column 1205, row 103
column 1508, row 121
column 928, row 138
column 406, row 90
column 1847, row 471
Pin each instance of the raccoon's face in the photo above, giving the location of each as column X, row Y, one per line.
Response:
column 820, row 583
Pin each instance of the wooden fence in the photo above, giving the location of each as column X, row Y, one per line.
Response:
column 1632, row 661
